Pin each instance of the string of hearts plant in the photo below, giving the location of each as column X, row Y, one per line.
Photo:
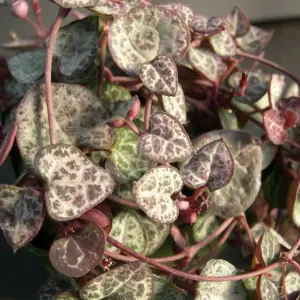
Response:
column 144, row 147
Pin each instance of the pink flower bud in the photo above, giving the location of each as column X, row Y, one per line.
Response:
column 20, row 9
column 183, row 205
column 116, row 123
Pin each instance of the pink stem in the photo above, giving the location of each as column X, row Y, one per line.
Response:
column 38, row 15
column 244, row 223
column 133, row 127
column 8, row 142
column 123, row 201
column 48, row 70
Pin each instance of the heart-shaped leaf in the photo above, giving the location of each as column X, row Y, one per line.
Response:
column 53, row 285
column 160, row 76
column 138, row 232
column 255, row 40
column 127, row 282
column 268, row 249
column 72, row 55
column 184, row 11
column 114, row 8
column 244, row 186
column 164, row 290
column 292, row 282
column 205, row 224
column 77, row 3
column 212, row 166
column 176, row 106
column 66, row 296
column 207, row 26
column 79, row 119
column 153, row 191
column 75, row 255
column 267, row 290
column 74, row 183
column 125, row 162
column 228, row 119
column 144, row 33
column 223, row 44
column 292, row 91
column 8, row 142
column 233, row 290
column 207, row 63
column 21, row 215
column 167, row 141
column 237, row 23
column 29, row 66
column 15, row 90
column 275, row 89
column 294, row 202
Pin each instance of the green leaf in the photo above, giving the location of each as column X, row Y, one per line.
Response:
column 21, row 215
column 207, row 63
column 292, row 282
column 152, row 192
column 125, row 162
column 244, row 186
column 164, row 290
column 211, row 166
column 250, row 285
column 160, row 75
column 233, row 290
column 294, row 202
column 268, row 249
column 268, row 290
column 29, row 66
column 79, row 118
column 76, row 254
column 74, row 183
column 74, row 56
column 223, row 44
column 167, row 140
column 127, row 282
column 145, row 32
column 124, row 191
column 15, row 90
column 205, row 224
column 66, row 296
column 228, row 119
column 176, row 106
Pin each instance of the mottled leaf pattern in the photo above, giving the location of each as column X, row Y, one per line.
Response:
column 76, row 254
column 233, row 290
column 166, row 141
column 207, row 26
column 205, row 224
column 77, row 3
column 292, row 282
column 21, row 215
column 212, row 166
column 267, row 290
column 66, row 296
column 78, row 114
column 15, row 90
column 74, row 183
column 74, row 56
column 125, row 162
column 255, row 40
column 275, row 89
column 207, row 63
column 160, row 76
column 223, row 44
column 237, row 23
column 108, row 7
column 127, row 282
column 244, row 186
column 152, row 192
column 28, row 66
column 144, row 33
column 184, row 11
column 176, row 106
column 268, row 249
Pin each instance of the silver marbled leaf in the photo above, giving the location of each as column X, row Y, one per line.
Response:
column 223, row 44
column 21, row 215
column 184, row 11
column 114, row 8
column 76, row 254
column 237, row 23
column 167, row 141
column 267, row 289
column 160, row 75
column 153, row 191
column 207, row 26
column 211, row 166
column 77, row 3
column 74, row 184
column 292, row 282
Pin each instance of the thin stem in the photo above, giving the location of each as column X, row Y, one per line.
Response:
column 36, row 27
column 269, row 63
column 244, row 223
column 48, row 70
column 108, row 74
column 133, row 127
column 103, row 47
column 178, row 273
column 38, row 16
column 123, row 201
column 147, row 112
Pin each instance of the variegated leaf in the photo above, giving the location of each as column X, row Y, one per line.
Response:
column 223, row 44
column 74, row 183
column 160, row 75
column 207, row 26
column 268, row 290
column 78, row 114
column 66, row 296
column 144, row 33
column 275, row 89
column 21, row 215
column 176, row 106
column 184, row 11
column 233, row 290
column 153, row 191
column 77, row 3
column 114, row 8
column 167, row 141
column 292, row 282
column 237, row 23
column 127, row 282
column 255, row 40
column 15, row 90
column 76, row 254
column 211, row 166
